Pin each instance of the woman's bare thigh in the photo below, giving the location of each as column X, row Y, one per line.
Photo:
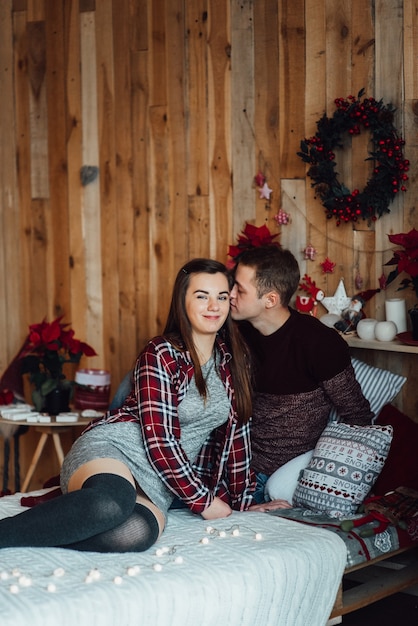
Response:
column 99, row 466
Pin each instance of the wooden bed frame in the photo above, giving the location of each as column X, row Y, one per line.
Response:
column 375, row 580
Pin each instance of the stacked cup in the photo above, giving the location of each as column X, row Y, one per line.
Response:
column 92, row 389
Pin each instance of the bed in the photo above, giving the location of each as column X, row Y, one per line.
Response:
column 250, row 568
column 278, row 569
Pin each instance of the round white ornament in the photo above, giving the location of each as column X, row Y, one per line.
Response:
column 366, row 328
column 385, row 331
column 329, row 319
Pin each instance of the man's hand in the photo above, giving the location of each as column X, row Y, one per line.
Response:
column 218, row 508
column 270, row 506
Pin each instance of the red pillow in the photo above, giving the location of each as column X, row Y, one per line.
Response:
column 401, row 467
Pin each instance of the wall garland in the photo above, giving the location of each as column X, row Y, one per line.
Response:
column 390, row 168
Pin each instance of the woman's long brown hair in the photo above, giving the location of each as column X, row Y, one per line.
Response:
column 178, row 331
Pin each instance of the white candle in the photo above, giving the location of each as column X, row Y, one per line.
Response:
column 396, row 312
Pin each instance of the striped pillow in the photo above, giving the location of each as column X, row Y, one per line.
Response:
column 379, row 386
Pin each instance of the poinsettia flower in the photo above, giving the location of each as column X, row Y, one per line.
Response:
column 405, row 260
column 408, row 240
column 258, row 235
column 234, row 251
column 408, row 263
column 45, row 334
column 47, row 347
column 252, row 237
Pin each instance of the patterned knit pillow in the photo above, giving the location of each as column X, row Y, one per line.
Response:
column 345, row 464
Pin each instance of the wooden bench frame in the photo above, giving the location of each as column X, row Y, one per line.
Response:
column 391, row 575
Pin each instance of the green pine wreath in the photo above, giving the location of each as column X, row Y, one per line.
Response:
column 390, row 168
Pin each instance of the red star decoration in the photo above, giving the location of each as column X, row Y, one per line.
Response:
column 327, row 266
column 259, row 179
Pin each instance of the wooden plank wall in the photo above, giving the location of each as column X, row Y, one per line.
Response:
column 131, row 132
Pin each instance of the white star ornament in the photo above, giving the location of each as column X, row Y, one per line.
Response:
column 338, row 302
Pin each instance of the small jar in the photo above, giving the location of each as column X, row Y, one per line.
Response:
column 92, row 389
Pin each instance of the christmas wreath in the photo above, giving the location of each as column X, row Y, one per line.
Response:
column 390, row 168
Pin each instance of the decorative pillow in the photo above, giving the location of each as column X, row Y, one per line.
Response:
column 401, row 467
column 282, row 483
column 379, row 386
column 345, row 464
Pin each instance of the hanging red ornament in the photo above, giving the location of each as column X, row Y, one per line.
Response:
column 259, row 179
column 327, row 266
column 383, row 282
column 309, row 252
column 282, row 217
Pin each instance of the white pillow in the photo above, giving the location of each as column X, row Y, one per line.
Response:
column 282, row 483
column 379, row 386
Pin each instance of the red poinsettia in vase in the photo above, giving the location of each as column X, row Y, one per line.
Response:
column 48, row 346
column 406, row 262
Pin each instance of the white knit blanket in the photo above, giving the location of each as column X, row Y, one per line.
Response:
column 250, row 569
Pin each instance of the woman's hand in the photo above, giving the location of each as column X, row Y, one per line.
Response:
column 270, row 506
column 218, row 508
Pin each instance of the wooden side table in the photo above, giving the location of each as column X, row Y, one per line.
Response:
column 47, row 429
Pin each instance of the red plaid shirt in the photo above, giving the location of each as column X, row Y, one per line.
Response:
column 162, row 376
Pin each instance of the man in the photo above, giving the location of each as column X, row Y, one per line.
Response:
column 302, row 368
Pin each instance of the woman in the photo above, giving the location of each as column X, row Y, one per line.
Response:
column 182, row 432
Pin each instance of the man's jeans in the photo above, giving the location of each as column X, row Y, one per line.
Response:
column 259, row 495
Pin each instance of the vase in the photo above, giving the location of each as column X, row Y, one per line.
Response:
column 58, row 400
column 413, row 315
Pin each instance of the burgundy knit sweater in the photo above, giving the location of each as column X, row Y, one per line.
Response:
column 301, row 371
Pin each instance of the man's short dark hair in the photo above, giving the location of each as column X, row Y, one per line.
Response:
column 275, row 269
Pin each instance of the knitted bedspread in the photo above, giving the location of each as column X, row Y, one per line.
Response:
column 250, row 569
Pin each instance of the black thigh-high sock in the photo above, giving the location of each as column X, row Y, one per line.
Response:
column 136, row 534
column 104, row 502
